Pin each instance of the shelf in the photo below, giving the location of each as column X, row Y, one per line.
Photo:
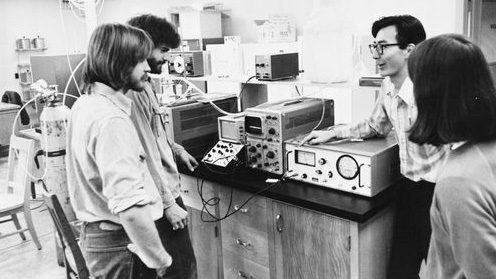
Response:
column 31, row 49
column 296, row 81
column 25, row 83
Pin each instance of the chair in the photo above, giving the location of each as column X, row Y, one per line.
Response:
column 17, row 197
column 74, row 262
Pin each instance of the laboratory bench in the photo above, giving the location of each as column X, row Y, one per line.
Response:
column 285, row 229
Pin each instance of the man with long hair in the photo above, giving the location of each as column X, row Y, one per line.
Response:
column 110, row 187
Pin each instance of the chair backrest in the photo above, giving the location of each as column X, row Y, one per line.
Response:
column 66, row 236
column 20, row 162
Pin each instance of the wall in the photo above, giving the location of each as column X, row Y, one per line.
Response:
column 43, row 17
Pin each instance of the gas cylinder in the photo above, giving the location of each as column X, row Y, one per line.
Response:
column 53, row 122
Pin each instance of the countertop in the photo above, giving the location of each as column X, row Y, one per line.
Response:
column 334, row 202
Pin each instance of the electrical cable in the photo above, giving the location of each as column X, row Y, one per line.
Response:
column 67, row 47
column 216, row 200
column 327, row 85
column 243, row 86
column 69, row 80
column 298, row 91
column 205, row 94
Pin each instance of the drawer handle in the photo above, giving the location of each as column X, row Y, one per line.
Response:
column 238, row 208
column 279, row 222
column 242, row 243
column 243, row 274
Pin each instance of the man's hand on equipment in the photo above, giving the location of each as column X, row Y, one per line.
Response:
column 316, row 137
column 188, row 160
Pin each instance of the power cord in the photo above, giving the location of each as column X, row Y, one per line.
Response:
column 243, row 87
column 216, row 201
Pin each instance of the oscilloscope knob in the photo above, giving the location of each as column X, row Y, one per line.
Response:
column 271, row 155
column 322, row 161
column 252, row 149
column 272, row 131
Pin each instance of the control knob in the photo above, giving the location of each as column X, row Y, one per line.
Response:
column 271, row 155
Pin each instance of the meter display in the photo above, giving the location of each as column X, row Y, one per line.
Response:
column 347, row 167
column 305, row 158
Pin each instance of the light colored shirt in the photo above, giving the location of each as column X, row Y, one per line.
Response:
column 463, row 215
column 398, row 112
column 106, row 167
column 161, row 150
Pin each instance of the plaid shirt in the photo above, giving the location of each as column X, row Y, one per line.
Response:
column 398, row 112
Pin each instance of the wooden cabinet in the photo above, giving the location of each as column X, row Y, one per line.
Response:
column 245, row 241
column 310, row 244
column 205, row 236
column 271, row 239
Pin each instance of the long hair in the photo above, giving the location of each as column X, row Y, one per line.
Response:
column 160, row 30
column 409, row 29
column 454, row 92
column 113, row 51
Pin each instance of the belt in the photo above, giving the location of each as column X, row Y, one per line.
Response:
column 105, row 226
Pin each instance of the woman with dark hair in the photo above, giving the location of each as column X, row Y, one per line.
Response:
column 456, row 101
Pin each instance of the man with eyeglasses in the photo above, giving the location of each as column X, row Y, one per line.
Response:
column 395, row 108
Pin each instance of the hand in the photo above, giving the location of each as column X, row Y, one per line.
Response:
column 176, row 216
column 161, row 272
column 188, row 160
column 166, row 260
column 316, row 137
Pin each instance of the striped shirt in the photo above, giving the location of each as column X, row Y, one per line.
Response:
column 398, row 111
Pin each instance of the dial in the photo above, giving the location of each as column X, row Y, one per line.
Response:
column 347, row 167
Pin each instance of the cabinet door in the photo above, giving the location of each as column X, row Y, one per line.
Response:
column 204, row 235
column 309, row 244
column 206, row 244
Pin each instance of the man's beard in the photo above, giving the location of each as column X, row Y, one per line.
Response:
column 137, row 85
column 155, row 66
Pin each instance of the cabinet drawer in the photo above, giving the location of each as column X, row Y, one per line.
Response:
column 247, row 242
column 236, row 267
column 252, row 214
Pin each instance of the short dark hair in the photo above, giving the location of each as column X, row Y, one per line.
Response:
column 113, row 51
column 160, row 30
column 454, row 92
column 410, row 29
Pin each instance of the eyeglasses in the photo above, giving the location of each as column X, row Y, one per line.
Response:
column 379, row 48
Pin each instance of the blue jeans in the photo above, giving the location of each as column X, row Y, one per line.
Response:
column 106, row 253
column 178, row 244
